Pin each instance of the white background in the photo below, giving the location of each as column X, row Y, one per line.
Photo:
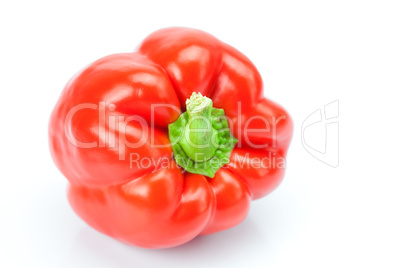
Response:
column 309, row 54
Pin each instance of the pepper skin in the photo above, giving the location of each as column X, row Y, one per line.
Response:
column 108, row 106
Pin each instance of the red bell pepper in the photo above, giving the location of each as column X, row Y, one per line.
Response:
column 151, row 170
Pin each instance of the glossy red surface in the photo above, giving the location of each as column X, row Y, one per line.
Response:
column 158, row 206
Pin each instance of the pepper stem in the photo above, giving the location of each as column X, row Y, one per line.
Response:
column 201, row 138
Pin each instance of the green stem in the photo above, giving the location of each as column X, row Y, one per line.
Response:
column 201, row 140
column 197, row 141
